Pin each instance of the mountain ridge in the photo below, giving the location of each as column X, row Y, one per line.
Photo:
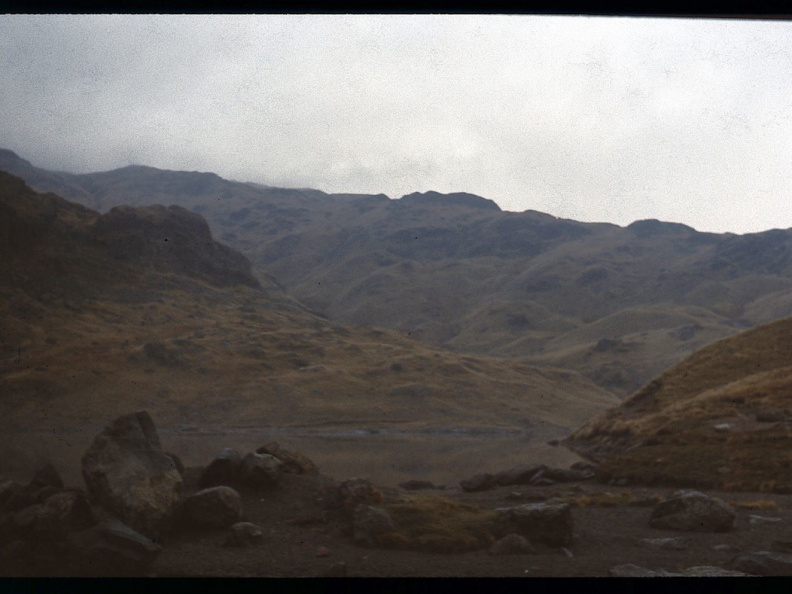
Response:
column 471, row 278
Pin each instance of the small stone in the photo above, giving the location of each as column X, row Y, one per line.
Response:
column 669, row 544
column 721, row 427
column 243, row 534
column 754, row 520
column 511, row 544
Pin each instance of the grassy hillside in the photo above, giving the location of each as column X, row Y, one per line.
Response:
column 91, row 330
column 719, row 418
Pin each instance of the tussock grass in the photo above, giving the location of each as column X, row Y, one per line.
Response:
column 435, row 524
column 601, row 499
column 759, row 504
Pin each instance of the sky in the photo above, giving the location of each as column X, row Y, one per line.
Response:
column 600, row 119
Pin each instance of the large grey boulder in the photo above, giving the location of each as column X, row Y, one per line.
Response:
column 223, row 470
column 546, row 523
column 127, row 473
column 112, row 549
column 261, row 470
column 368, row 522
column 216, row 507
column 693, row 511
column 763, row 563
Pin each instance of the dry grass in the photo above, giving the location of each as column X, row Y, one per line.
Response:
column 603, row 499
column 760, row 504
column 439, row 525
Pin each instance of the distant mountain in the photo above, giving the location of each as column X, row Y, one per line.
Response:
column 718, row 419
column 139, row 308
column 618, row 304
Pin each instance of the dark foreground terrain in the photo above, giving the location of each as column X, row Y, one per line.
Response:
column 605, row 537
column 300, row 539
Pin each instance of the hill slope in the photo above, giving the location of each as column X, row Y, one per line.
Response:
column 455, row 271
column 719, row 418
column 99, row 317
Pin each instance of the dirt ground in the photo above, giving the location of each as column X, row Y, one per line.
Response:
column 298, row 543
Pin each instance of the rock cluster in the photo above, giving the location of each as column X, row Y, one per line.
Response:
column 133, row 495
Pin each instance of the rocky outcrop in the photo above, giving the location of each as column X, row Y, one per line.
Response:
column 127, row 473
column 693, row 511
column 172, row 238
column 546, row 523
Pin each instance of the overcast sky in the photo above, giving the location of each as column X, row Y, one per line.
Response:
column 591, row 118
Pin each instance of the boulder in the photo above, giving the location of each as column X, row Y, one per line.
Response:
column 112, row 549
column 223, row 470
column 546, row 523
column 416, row 485
column 63, row 513
column 519, row 475
column 693, row 511
column 243, row 534
column 261, row 470
column 763, row 563
column 127, row 473
column 293, row 462
column 511, row 544
column 340, row 500
column 479, row 482
column 216, row 507
column 368, row 522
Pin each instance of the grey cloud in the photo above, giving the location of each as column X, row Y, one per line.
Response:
column 608, row 119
